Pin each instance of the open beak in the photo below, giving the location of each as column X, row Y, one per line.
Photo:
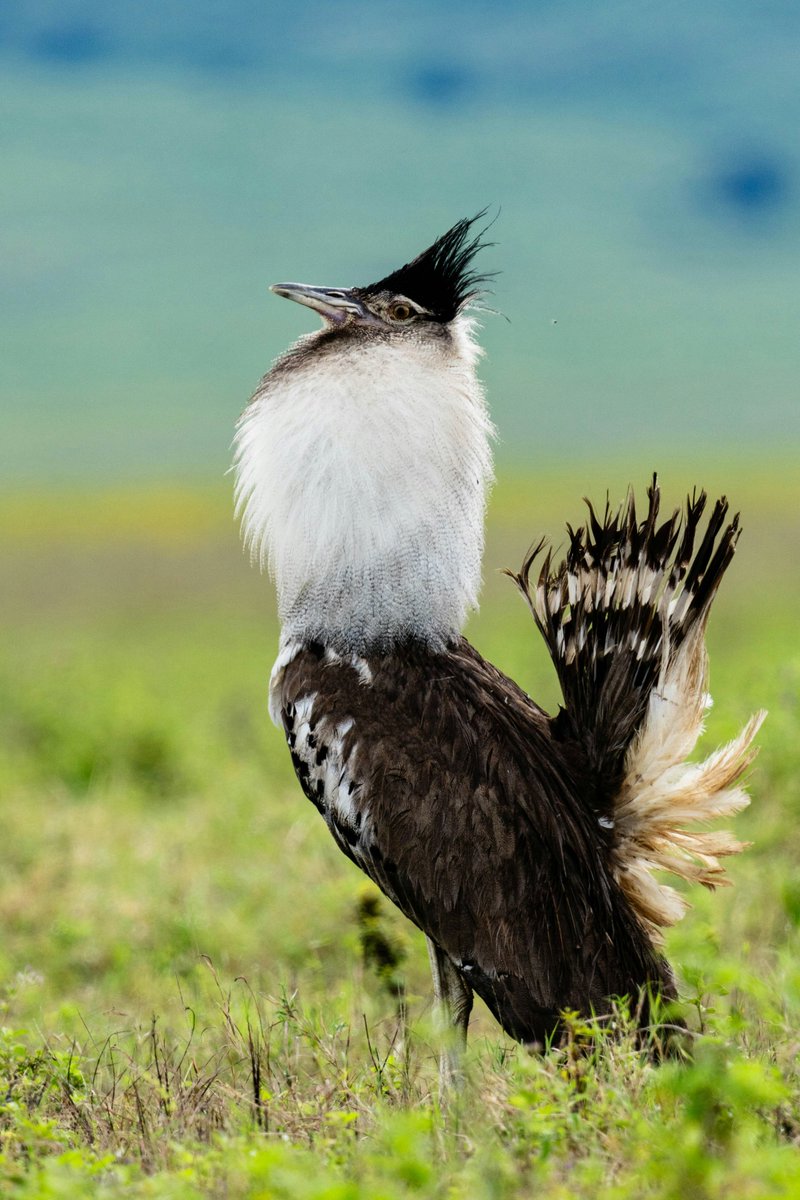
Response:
column 334, row 304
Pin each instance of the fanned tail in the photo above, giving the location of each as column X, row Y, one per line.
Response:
column 624, row 618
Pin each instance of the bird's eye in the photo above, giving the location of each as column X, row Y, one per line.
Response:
column 401, row 311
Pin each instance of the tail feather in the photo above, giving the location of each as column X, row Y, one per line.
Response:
column 624, row 618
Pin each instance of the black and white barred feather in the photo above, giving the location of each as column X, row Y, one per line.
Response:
column 624, row 617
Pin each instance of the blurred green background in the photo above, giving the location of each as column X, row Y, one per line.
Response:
column 160, row 167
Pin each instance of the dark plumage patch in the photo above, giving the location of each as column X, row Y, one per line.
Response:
column 472, row 818
column 440, row 279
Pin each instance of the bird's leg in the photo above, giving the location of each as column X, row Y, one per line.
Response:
column 453, row 1005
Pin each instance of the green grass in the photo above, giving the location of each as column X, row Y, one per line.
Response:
column 186, row 1008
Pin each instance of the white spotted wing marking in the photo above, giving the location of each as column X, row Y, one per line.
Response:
column 317, row 744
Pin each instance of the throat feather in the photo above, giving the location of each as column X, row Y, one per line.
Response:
column 361, row 481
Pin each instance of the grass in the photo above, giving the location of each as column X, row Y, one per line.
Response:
column 187, row 1006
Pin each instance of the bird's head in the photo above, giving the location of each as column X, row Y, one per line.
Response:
column 422, row 297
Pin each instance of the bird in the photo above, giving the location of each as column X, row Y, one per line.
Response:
column 522, row 844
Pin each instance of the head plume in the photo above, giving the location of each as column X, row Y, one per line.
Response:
column 440, row 279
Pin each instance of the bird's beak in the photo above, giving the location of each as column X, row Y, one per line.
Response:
column 334, row 304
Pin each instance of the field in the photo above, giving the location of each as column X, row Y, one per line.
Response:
column 188, row 1008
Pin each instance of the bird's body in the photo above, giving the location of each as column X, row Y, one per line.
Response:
column 461, row 809
column 522, row 845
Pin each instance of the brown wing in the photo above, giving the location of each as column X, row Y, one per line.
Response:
column 439, row 777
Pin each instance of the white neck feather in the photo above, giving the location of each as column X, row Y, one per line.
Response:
column 362, row 472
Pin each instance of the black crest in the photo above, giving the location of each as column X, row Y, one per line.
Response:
column 440, row 279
